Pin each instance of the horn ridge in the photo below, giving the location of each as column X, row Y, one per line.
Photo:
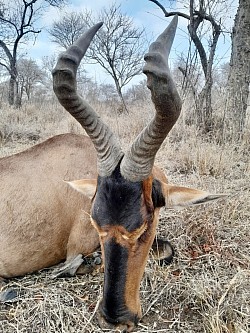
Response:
column 106, row 144
column 138, row 161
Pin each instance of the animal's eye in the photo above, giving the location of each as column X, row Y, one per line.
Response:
column 137, row 234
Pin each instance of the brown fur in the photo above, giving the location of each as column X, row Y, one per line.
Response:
column 138, row 253
column 42, row 220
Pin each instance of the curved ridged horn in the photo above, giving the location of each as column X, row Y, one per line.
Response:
column 108, row 150
column 138, row 161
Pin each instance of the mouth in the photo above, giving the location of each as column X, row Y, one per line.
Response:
column 119, row 325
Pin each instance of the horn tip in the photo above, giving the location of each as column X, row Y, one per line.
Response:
column 171, row 28
column 175, row 20
column 99, row 24
column 96, row 27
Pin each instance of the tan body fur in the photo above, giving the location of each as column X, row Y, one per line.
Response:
column 43, row 220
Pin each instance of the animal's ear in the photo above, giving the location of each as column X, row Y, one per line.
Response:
column 84, row 186
column 177, row 196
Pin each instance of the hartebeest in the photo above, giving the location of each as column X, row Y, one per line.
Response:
column 44, row 221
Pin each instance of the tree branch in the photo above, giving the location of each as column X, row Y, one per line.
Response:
column 6, row 50
column 5, row 66
column 168, row 14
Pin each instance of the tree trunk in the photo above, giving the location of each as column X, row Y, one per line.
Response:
column 204, row 110
column 12, row 84
column 239, row 76
column 119, row 92
column 19, row 93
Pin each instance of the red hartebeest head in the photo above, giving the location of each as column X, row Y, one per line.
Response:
column 128, row 195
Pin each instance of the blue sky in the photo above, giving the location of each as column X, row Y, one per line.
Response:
column 145, row 14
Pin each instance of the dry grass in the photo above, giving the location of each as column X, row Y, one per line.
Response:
column 205, row 289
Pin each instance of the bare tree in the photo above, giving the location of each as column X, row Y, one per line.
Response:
column 118, row 47
column 239, row 77
column 70, row 27
column 200, row 12
column 17, row 22
column 29, row 74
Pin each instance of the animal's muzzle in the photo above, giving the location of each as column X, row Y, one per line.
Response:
column 113, row 309
column 124, row 323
